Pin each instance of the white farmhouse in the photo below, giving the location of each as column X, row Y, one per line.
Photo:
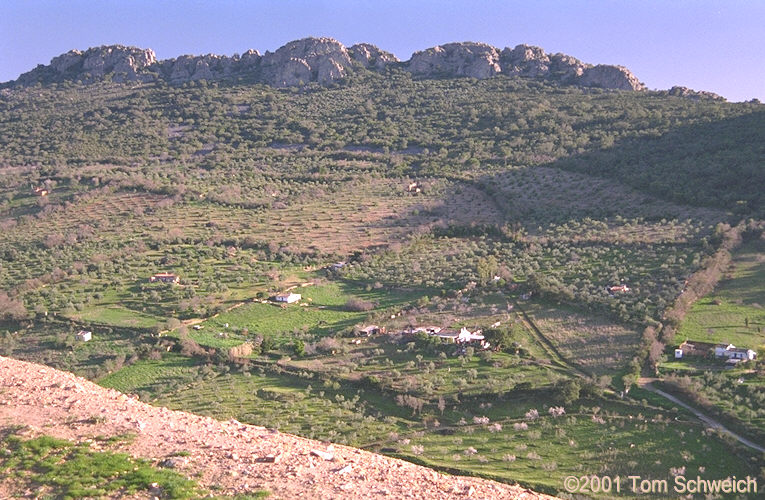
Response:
column 287, row 297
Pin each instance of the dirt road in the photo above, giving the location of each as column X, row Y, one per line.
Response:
column 647, row 384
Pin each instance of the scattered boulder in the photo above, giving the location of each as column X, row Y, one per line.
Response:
column 326, row 455
column 174, row 463
column 272, row 458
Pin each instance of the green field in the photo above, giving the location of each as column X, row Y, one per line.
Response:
column 117, row 316
column 304, row 405
column 732, row 313
column 604, row 441
column 735, row 312
column 595, row 344
column 153, row 375
column 57, row 468
column 321, row 311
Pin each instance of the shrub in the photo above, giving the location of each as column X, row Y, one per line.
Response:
column 556, row 411
column 568, row 391
column 532, row 414
column 241, row 351
column 190, row 347
column 359, row 305
column 11, row 309
column 328, row 345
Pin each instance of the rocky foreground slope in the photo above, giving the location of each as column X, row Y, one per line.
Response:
column 325, row 60
column 232, row 455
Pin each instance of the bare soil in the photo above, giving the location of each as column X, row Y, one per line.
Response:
column 232, row 456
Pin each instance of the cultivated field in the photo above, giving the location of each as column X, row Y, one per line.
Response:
column 597, row 345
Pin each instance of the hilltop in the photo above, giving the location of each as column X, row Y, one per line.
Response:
column 325, row 60
column 236, row 457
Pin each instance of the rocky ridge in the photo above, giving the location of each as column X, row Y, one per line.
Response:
column 325, row 60
column 234, row 458
column 120, row 62
column 696, row 95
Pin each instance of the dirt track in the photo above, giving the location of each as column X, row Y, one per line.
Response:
column 647, row 384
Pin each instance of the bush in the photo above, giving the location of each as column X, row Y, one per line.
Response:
column 568, row 391
column 298, row 347
column 241, row 351
column 371, row 381
column 359, row 305
column 190, row 347
column 11, row 309
column 328, row 345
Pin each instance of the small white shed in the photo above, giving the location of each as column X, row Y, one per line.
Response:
column 84, row 335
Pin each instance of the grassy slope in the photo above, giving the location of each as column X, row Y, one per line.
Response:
column 580, row 444
column 722, row 315
column 57, row 468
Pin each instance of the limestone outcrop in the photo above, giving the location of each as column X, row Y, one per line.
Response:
column 475, row 60
column 325, row 60
column 321, row 60
column 696, row 95
column 120, row 62
column 371, row 57
column 610, row 77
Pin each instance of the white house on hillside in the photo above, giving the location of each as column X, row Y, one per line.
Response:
column 464, row 336
column 287, row 297
column 721, row 351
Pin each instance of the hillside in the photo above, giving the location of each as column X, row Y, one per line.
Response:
column 483, row 252
column 230, row 455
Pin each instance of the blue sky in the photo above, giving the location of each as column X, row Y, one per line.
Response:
column 703, row 44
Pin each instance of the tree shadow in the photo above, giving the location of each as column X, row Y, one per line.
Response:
column 717, row 163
